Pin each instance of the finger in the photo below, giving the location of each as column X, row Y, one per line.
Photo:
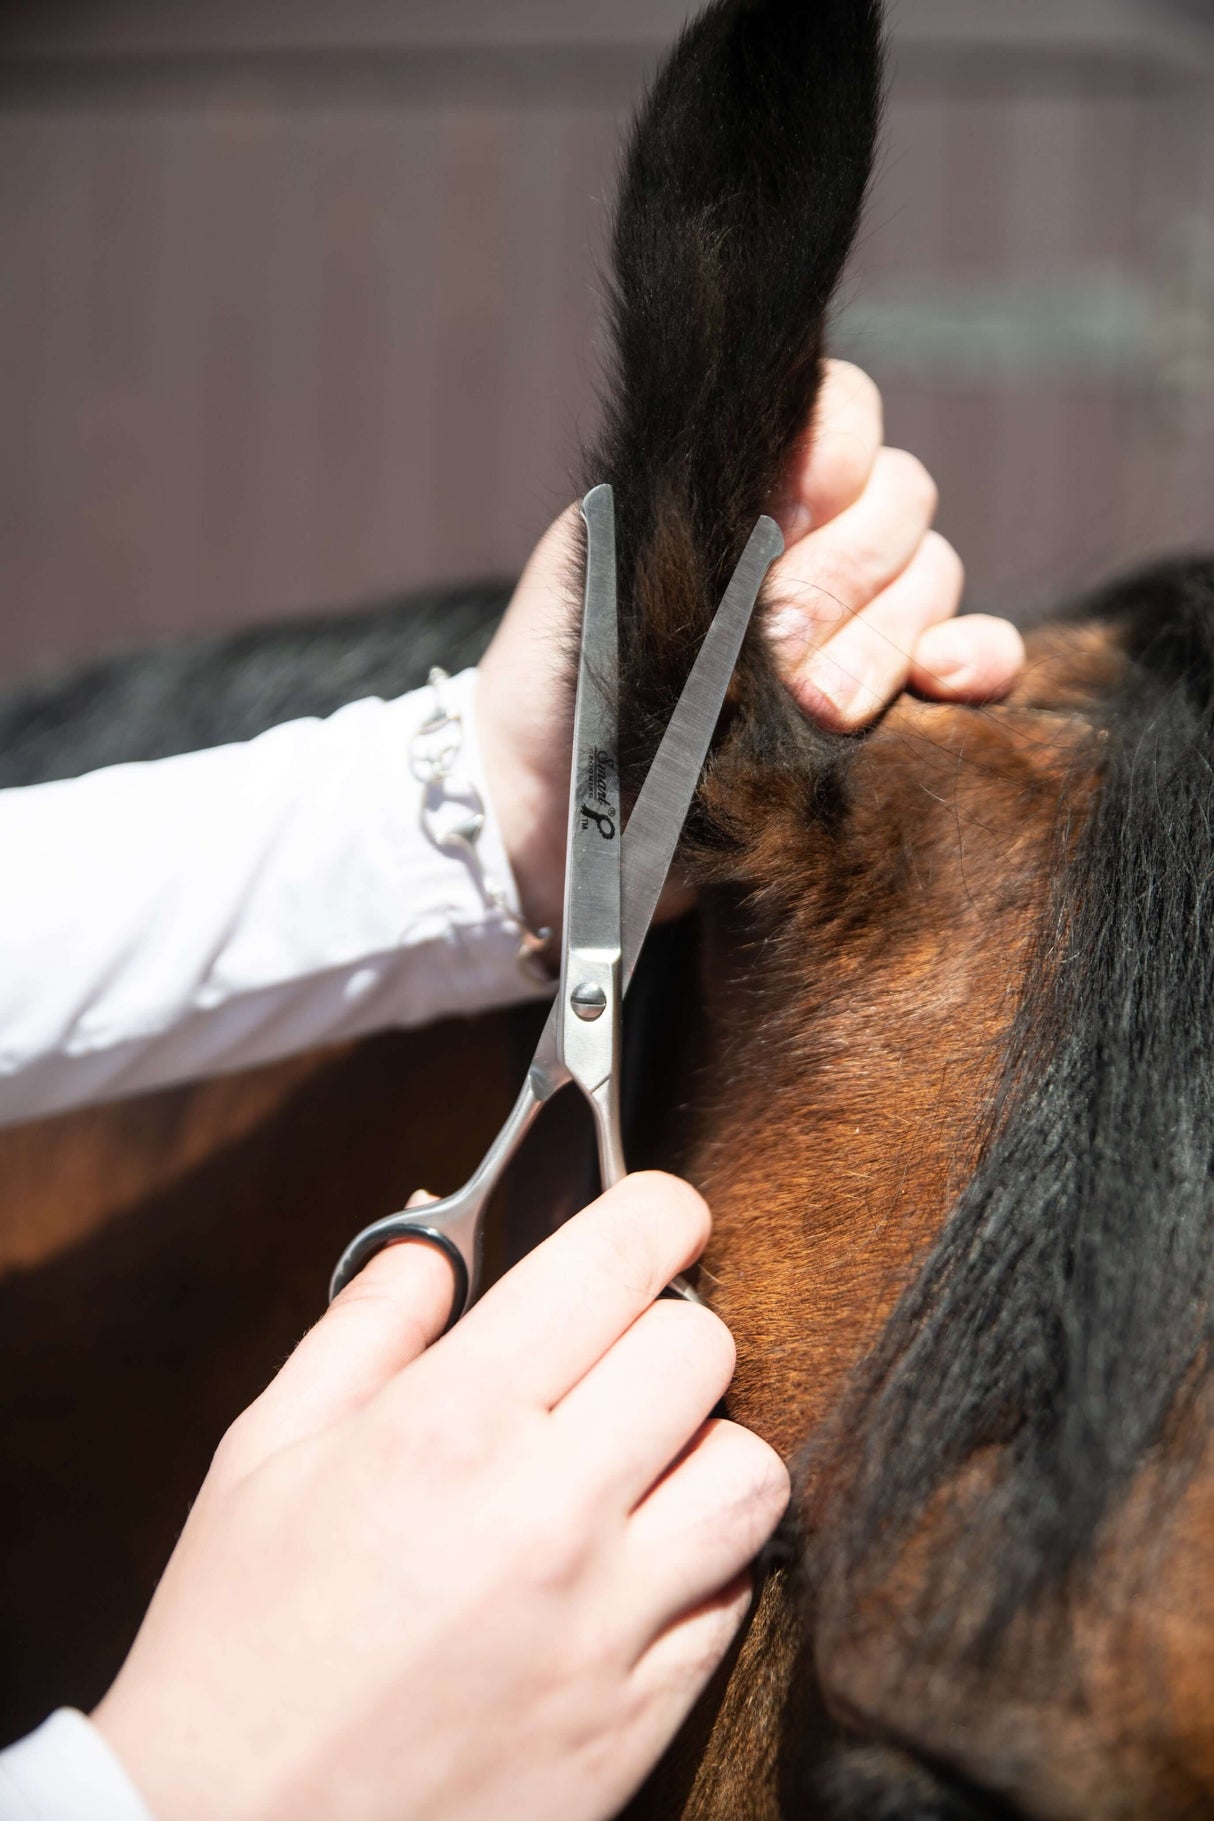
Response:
column 675, row 1670
column 836, row 571
column 390, row 1313
column 975, row 659
column 859, row 672
column 547, row 602
column 704, row 1522
column 640, row 1405
column 549, row 1320
column 831, row 465
column 665, row 1685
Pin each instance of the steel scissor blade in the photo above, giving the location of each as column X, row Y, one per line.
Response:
column 657, row 818
column 592, row 857
column 590, row 989
column 656, row 823
column 455, row 1224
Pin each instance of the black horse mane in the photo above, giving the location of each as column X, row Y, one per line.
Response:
column 179, row 697
column 1060, row 1329
column 1064, row 1315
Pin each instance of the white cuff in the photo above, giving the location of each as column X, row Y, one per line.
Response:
column 65, row 1771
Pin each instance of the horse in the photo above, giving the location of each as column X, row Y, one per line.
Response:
column 954, row 1116
column 940, row 1065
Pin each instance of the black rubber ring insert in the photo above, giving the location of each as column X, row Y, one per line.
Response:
column 381, row 1235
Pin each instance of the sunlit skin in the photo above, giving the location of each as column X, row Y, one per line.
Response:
column 460, row 1579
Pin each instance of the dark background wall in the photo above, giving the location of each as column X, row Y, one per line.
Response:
column 298, row 300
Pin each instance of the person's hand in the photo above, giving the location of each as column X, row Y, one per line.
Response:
column 484, row 1580
column 863, row 597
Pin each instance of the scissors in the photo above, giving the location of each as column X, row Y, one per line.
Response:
column 613, row 880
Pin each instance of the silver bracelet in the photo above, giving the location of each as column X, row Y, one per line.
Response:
column 453, row 814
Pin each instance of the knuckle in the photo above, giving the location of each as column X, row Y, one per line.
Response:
column 845, row 381
column 758, row 1480
column 556, row 1542
column 653, row 1211
column 227, row 1452
column 861, row 572
column 235, row 1449
column 694, row 1668
column 621, row 1252
column 912, row 480
column 452, row 1443
column 773, row 1487
column 707, row 1638
column 721, row 1624
column 846, row 439
column 703, row 1333
column 674, row 1193
column 363, row 1307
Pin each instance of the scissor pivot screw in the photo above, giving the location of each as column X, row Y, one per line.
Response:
column 588, row 1001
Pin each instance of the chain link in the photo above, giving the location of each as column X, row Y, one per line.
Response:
column 453, row 814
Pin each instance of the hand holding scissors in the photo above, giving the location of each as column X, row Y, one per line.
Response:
column 613, row 880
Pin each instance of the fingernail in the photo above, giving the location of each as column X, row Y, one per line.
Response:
column 958, row 675
column 839, row 689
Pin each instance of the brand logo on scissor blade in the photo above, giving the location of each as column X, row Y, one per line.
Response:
column 600, row 809
column 606, row 826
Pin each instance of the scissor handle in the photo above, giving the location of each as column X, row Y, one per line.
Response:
column 604, row 1101
column 456, row 1224
column 461, row 1210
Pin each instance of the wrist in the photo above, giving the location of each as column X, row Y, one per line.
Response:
column 521, row 801
column 186, row 1760
column 143, row 1751
column 66, row 1767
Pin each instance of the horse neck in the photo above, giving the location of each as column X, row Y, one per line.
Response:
column 858, row 1005
column 857, row 1031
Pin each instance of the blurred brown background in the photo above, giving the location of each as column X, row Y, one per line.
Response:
column 298, row 300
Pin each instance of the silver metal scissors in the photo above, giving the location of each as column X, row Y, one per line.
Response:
column 613, row 880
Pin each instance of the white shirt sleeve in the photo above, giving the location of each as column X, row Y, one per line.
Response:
column 163, row 921
column 65, row 1771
